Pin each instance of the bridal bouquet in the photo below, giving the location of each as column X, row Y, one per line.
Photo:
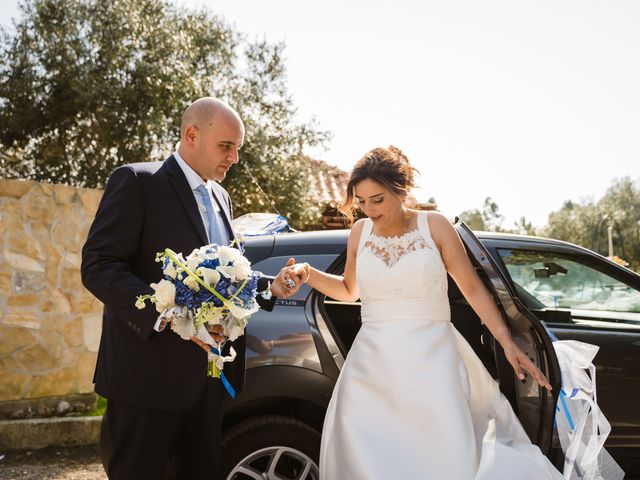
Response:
column 213, row 285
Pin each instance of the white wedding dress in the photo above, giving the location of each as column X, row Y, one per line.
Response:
column 413, row 400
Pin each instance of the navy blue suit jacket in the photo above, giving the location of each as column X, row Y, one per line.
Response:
column 146, row 208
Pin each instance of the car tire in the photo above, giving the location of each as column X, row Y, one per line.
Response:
column 254, row 444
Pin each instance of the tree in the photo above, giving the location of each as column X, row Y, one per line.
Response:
column 488, row 219
column 88, row 85
column 586, row 223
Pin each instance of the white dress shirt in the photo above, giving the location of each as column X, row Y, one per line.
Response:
column 194, row 182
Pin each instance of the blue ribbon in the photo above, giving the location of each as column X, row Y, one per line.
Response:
column 223, row 378
column 565, row 408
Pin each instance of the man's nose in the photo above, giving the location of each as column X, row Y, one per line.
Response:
column 234, row 156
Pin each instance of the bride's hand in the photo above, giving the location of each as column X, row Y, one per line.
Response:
column 520, row 363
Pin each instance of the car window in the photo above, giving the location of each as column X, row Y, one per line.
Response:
column 554, row 282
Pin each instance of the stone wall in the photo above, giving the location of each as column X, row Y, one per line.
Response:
column 49, row 324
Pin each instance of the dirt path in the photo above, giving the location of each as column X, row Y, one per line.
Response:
column 72, row 463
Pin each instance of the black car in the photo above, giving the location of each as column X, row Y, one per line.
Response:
column 295, row 353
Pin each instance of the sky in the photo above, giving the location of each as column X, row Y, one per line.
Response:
column 529, row 102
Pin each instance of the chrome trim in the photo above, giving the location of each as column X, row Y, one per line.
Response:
column 325, row 333
column 338, row 302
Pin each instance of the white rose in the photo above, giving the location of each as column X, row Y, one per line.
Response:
column 210, row 275
column 234, row 329
column 228, row 254
column 227, row 272
column 192, row 283
column 184, row 327
column 241, row 313
column 165, row 293
column 193, row 262
column 242, row 268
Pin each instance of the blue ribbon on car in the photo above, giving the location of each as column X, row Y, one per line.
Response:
column 563, row 394
column 223, row 378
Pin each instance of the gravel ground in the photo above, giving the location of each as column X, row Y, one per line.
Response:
column 70, row 463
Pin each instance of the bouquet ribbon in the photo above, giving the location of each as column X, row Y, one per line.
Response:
column 223, row 378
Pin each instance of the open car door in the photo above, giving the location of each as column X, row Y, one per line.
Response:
column 534, row 405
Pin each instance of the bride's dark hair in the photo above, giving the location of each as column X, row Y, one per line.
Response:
column 387, row 166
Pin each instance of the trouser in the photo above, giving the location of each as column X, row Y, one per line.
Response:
column 143, row 440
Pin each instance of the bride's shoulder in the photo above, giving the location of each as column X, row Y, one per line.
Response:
column 440, row 226
column 356, row 232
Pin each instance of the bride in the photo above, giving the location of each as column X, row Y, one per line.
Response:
column 413, row 401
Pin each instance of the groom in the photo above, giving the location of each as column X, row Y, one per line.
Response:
column 159, row 398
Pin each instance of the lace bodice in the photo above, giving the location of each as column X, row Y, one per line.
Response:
column 395, row 269
column 391, row 249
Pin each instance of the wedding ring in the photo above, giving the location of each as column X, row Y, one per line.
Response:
column 290, row 283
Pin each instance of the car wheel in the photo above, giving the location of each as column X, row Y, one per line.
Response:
column 271, row 448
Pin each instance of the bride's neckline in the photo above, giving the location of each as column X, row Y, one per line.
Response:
column 401, row 235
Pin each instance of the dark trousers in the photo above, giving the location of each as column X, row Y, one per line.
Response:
column 143, row 440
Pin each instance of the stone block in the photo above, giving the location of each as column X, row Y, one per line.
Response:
column 23, row 300
column 15, row 338
column 5, row 282
column 92, row 330
column 46, row 188
column 24, row 319
column 65, row 232
column 52, row 265
column 85, row 369
column 53, row 341
column 60, row 382
column 82, row 301
column 23, row 262
column 15, row 188
column 73, row 259
column 41, row 232
column 70, row 280
column 90, row 200
column 12, row 220
column 26, row 282
column 55, row 301
column 37, row 205
column 13, row 385
column 73, row 332
column 9, row 364
column 36, row 359
column 54, row 321
column 64, row 194
column 23, row 243
column 36, row 433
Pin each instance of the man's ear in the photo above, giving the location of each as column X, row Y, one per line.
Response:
column 191, row 134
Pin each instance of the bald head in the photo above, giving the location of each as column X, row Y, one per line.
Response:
column 211, row 134
column 205, row 111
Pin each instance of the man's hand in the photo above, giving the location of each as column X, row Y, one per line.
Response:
column 287, row 282
column 216, row 332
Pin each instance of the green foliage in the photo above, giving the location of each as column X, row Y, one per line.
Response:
column 98, row 408
column 88, row 85
column 489, row 219
column 586, row 223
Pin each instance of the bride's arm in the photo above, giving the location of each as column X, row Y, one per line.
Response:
column 343, row 288
column 461, row 270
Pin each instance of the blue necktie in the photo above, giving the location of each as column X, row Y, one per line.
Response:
column 215, row 230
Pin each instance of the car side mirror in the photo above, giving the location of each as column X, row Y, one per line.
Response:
column 541, row 273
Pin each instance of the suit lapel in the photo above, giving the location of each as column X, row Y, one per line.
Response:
column 180, row 184
column 224, row 208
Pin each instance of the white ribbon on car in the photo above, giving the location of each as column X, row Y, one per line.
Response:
column 582, row 427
